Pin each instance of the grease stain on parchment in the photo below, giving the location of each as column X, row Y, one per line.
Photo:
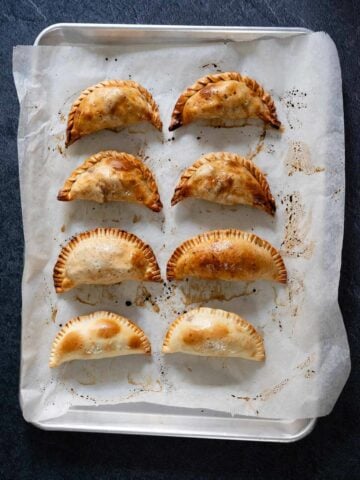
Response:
column 253, row 401
column 259, row 146
column 307, row 362
column 293, row 101
column 212, row 65
column 306, row 366
column 335, row 195
column 288, row 303
column 85, row 302
column 138, row 389
column 278, row 302
column 296, row 293
column 298, row 159
column 303, row 369
column 93, row 297
column 136, row 218
column 48, row 295
column 143, row 297
column 271, row 392
column 297, row 227
column 60, row 137
column 86, row 377
column 62, row 117
column 107, row 294
column 146, row 384
column 75, row 393
column 201, row 292
column 60, row 149
column 54, row 312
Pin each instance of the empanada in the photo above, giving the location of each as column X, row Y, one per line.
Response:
column 224, row 96
column 111, row 104
column 227, row 255
column 112, row 176
column 104, row 256
column 212, row 332
column 228, row 179
column 97, row 335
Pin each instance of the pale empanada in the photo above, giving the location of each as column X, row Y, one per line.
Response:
column 212, row 332
column 111, row 104
column 97, row 335
column 224, row 96
column 227, row 255
column 104, row 256
column 112, row 176
column 228, row 179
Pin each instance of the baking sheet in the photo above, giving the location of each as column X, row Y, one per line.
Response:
column 306, row 345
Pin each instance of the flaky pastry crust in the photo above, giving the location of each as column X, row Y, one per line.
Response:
column 111, row 104
column 112, row 176
column 95, row 336
column 104, row 256
column 228, row 179
column 214, row 332
column 226, row 96
column 227, row 255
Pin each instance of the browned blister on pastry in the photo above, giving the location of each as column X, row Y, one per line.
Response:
column 224, row 96
column 111, row 104
column 97, row 335
column 104, row 256
column 225, row 178
column 214, row 333
column 112, row 176
column 227, row 255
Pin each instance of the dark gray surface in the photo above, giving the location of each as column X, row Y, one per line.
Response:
column 332, row 450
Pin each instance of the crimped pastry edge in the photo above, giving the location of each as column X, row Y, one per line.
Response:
column 145, row 343
column 249, row 328
column 59, row 269
column 176, row 117
column 65, row 193
column 214, row 235
column 214, row 156
column 155, row 120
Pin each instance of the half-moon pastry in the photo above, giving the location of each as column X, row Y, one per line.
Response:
column 111, row 104
column 97, row 335
column 224, row 96
column 225, row 178
column 112, row 176
column 227, row 255
column 104, row 256
column 212, row 332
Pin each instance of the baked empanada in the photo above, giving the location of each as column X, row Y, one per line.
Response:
column 228, row 179
column 111, row 104
column 212, row 332
column 104, row 256
column 97, row 335
column 224, row 96
column 112, row 176
column 227, row 255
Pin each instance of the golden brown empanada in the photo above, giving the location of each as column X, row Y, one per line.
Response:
column 224, row 96
column 112, row 176
column 228, row 179
column 97, row 335
column 212, row 332
column 227, row 255
column 111, row 104
column 104, row 256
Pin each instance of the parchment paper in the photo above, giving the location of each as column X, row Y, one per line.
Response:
column 307, row 359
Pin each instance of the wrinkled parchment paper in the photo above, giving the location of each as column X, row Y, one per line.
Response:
column 307, row 359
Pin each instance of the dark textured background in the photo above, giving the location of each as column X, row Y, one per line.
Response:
column 332, row 450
